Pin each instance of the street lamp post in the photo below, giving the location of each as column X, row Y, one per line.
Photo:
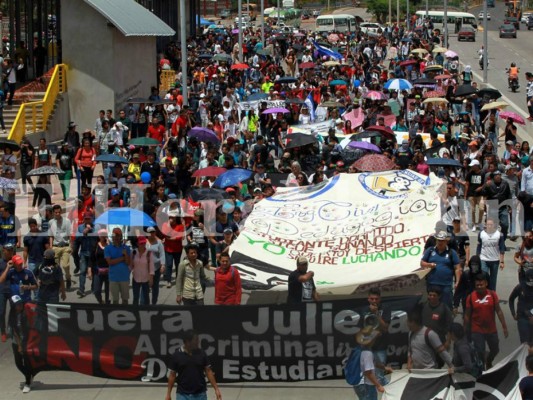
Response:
column 445, row 23
column 485, row 45
column 263, row 22
column 183, row 40
column 239, row 26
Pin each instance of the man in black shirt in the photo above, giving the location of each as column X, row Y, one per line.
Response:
column 152, row 167
column 302, row 287
column 65, row 162
column 50, row 278
column 190, row 365
column 26, row 163
column 260, row 151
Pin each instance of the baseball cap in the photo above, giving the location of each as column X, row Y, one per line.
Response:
column 473, row 163
column 510, row 142
column 302, row 260
column 203, row 95
column 9, row 246
column 228, row 230
column 150, row 229
column 135, row 155
column 257, row 190
column 17, row 260
column 441, row 235
column 510, row 166
column 141, row 239
column 115, row 192
column 102, row 232
column 339, row 121
column 473, row 143
column 497, row 172
column 16, row 299
column 172, row 196
column 49, row 253
column 117, row 231
column 230, row 190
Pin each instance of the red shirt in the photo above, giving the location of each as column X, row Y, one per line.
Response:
column 228, row 288
column 483, row 311
column 173, row 245
column 156, row 132
column 180, row 123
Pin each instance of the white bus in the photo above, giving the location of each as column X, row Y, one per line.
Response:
column 336, row 22
column 454, row 19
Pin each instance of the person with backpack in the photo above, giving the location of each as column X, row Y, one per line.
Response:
column 444, row 264
column 522, row 315
column 424, row 345
column 465, row 357
column 466, row 283
column 369, row 385
column 482, row 306
column 228, row 288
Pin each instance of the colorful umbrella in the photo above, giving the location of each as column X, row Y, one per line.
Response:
column 450, row 54
column 203, row 134
column 432, row 68
column 365, row 146
column 435, row 100
column 442, row 76
column 408, row 62
column 494, row 105
column 439, row 50
column 331, row 64
column 434, row 93
column 307, row 65
column 398, row 84
column 419, row 51
column 233, row 177
column 337, row 82
column 374, row 163
column 209, row 171
column 240, row 67
column 276, row 110
column 222, row 57
column 8, row 184
column 144, row 141
column 333, row 38
column 125, row 216
column 375, row 95
column 510, row 114
column 385, row 130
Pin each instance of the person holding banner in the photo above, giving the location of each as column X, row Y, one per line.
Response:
column 302, row 287
column 18, row 326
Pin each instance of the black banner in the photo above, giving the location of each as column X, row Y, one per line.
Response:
column 244, row 343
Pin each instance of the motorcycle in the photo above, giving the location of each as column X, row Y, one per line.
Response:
column 513, row 82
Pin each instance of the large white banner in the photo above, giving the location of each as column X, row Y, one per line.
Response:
column 500, row 382
column 249, row 105
column 354, row 229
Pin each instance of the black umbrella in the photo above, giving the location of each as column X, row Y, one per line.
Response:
column 297, row 47
column 365, row 135
column 6, row 143
column 209, row 194
column 443, row 162
column 490, row 93
column 111, row 158
column 47, row 170
column 464, row 90
column 138, row 100
column 299, row 140
column 205, row 56
column 287, row 79
column 424, row 82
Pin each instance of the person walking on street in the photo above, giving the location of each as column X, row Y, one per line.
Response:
column 480, row 322
column 228, row 288
column 11, row 80
column 65, row 162
column 302, row 287
column 444, row 265
column 155, row 246
column 18, row 325
column 117, row 256
column 86, row 243
column 437, row 316
column 529, row 95
column 189, row 366
column 100, row 273
column 21, row 280
column 60, row 241
column 491, row 251
column 27, row 153
column 189, row 278
column 173, row 243
column 35, row 243
column 50, row 278
column 523, row 317
column 142, row 271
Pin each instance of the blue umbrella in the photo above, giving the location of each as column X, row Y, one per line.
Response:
column 111, row 158
column 258, row 96
column 337, row 82
column 203, row 21
column 398, row 84
column 203, row 134
column 126, row 217
column 233, row 177
column 443, row 162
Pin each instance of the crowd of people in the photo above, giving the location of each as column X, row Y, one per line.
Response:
column 396, row 81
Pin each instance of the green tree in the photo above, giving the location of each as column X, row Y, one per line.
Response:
column 380, row 8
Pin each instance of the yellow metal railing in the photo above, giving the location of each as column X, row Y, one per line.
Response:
column 167, row 80
column 33, row 116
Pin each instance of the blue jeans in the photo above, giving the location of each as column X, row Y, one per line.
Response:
column 380, row 356
column 491, row 268
column 171, row 260
column 525, row 330
column 198, row 396
column 366, row 392
column 137, row 288
column 481, row 340
column 99, row 281
column 84, row 265
column 155, row 286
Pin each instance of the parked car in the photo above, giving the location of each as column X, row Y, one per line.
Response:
column 513, row 21
column 225, row 14
column 507, row 30
column 316, row 13
column 530, row 23
column 525, row 17
column 371, row 27
column 466, row 33
column 481, row 15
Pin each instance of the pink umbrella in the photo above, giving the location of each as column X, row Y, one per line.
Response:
column 276, row 110
column 375, row 95
column 333, row 37
column 450, row 54
column 515, row 117
column 434, row 93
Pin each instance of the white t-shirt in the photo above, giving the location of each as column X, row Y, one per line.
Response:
column 367, row 364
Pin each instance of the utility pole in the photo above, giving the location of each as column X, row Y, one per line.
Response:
column 485, row 45
column 183, row 40
column 263, row 22
column 239, row 26
column 398, row 13
column 390, row 12
column 446, row 23
column 407, row 16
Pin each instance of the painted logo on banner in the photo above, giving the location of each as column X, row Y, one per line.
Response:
column 393, row 184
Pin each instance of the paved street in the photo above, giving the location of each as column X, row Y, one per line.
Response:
column 63, row 385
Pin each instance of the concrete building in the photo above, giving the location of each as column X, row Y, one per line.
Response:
column 110, row 49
